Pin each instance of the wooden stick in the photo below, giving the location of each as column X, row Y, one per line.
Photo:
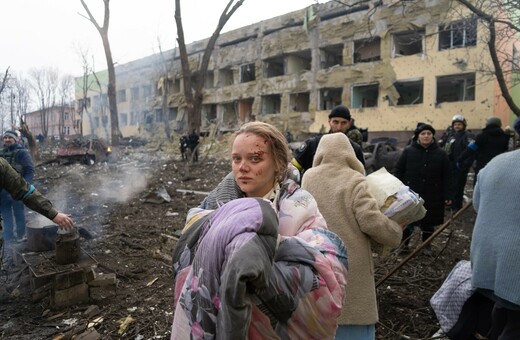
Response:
column 425, row 243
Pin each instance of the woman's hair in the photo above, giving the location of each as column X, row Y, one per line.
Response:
column 279, row 146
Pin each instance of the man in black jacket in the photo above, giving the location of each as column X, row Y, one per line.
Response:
column 491, row 142
column 454, row 145
column 340, row 120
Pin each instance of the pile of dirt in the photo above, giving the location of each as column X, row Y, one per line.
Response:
column 133, row 208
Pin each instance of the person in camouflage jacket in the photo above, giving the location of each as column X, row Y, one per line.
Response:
column 20, row 190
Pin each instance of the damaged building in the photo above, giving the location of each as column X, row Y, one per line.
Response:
column 394, row 63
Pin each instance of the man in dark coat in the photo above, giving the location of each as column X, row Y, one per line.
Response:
column 193, row 142
column 425, row 168
column 492, row 141
column 454, row 146
column 339, row 121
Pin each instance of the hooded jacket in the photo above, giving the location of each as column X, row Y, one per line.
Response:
column 337, row 182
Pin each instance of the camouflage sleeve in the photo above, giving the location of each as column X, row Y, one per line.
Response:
column 19, row 189
column 356, row 136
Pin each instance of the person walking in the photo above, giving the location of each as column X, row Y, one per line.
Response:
column 492, row 141
column 13, row 211
column 424, row 167
column 495, row 259
column 353, row 214
column 454, row 146
column 299, row 293
column 340, row 120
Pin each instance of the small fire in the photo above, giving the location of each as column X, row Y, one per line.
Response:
column 109, row 149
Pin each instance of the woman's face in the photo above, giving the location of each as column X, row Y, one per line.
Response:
column 426, row 137
column 253, row 164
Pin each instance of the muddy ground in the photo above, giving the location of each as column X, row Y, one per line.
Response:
column 124, row 208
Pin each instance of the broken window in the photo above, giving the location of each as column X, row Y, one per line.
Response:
column 135, row 93
column 121, row 96
column 96, row 122
column 209, row 114
column 225, row 76
column 133, row 118
column 274, row 67
column 408, row 43
column 208, row 83
column 247, row 73
column 331, row 55
column 458, row 34
column 245, row 109
column 159, row 115
column 410, row 92
column 123, row 119
column 330, row 97
column 456, row 88
column 365, row 95
column 172, row 113
column 96, row 103
column 176, row 86
column 271, row 103
column 229, row 113
column 299, row 102
column 367, row 50
column 147, row 91
column 299, row 61
column 104, row 120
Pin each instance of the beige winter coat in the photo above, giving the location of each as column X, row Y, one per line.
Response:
column 337, row 182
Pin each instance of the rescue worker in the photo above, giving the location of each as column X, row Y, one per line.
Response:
column 13, row 212
column 20, row 190
column 454, row 146
column 491, row 142
column 340, row 120
column 193, row 142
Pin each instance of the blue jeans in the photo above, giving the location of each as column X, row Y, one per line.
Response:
column 10, row 208
column 356, row 332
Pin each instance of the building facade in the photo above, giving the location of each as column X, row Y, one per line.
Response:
column 58, row 120
column 394, row 63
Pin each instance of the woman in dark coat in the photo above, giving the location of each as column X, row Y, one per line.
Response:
column 424, row 167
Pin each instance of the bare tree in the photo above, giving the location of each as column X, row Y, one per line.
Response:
column 45, row 84
column 111, row 87
column 193, row 92
column 499, row 17
column 86, row 85
column 5, row 78
column 66, row 95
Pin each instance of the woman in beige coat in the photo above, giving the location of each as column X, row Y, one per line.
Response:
column 338, row 183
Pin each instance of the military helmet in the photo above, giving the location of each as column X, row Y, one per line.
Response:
column 459, row 118
column 493, row 120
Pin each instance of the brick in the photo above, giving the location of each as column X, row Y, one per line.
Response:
column 101, row 293
column 69, row 279
column 104, row 280
column 70, row 296
column 37, row 282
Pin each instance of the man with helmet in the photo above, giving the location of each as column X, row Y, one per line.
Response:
column 455, row 145
column 491, row 142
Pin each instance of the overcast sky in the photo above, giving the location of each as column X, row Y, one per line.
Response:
column 41, row 33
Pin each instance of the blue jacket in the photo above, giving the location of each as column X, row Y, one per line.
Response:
column 20, row 159
column 495, row 259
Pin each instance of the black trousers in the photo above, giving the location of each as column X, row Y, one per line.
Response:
column 505, row 324
column 460, row 178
